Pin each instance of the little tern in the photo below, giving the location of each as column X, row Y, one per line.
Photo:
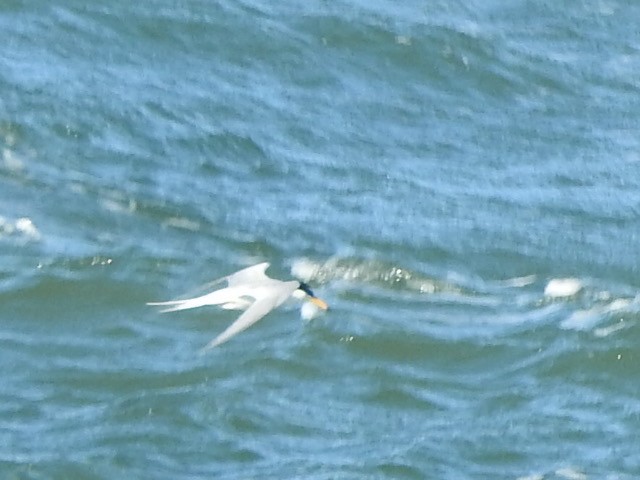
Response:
column 251, row 290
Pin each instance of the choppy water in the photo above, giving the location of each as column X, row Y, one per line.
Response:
column 459, row 180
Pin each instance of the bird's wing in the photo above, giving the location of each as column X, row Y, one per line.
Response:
column 249, row 275
column 229, row 295
column 253, row 274
column 271, row 298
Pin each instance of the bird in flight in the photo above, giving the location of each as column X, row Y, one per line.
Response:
column 251, row 290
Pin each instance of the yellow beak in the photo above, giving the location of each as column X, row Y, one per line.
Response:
column 319, row 303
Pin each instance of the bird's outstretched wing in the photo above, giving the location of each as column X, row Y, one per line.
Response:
column 230, row 297
column 249, row 275
column 268, row 299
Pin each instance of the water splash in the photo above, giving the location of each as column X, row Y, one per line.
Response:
column 367, row 272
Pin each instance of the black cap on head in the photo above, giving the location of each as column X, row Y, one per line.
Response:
column 306, row 289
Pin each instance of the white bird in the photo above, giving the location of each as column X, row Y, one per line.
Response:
column 251, row 290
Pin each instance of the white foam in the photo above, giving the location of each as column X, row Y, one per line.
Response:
column 519, row 282
column 585, row 319
column 351, row 270
column 581, row 320
column 12, row 161
column 606, row 331
column 535, row 476
column 304, row 269
column 562, row 287
column 182, row 224
column 23, row 227
column 571, row 473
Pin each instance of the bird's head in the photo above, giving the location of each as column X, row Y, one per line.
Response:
column 305, row 292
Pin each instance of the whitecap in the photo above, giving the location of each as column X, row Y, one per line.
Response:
column 22, row 227
column 535, row 476
column 25, row 226
column 562, row 287
column 606, row 331
column 518, row 282
column 182, row 224
column 571, row 473
column 12, row 161
column 367, row 272
column 586, row 319
column 304, row 269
